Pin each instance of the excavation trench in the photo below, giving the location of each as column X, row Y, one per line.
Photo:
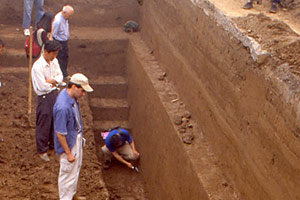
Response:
column 241, row 132
column 131, row 91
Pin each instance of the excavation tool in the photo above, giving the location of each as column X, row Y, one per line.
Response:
column 30, row 65
column 135, row 168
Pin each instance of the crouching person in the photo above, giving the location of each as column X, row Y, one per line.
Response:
column 119, row 144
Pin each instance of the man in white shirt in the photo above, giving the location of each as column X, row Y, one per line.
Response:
column 61, row 34
column 46, row 75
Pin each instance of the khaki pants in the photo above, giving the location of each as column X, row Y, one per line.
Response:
column 125, row 151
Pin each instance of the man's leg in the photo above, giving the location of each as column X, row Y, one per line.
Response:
column 39, row 10
column 43, row 125
column 28, row 4
column 44, row 121
column 106, row 157
column 69, row 172
column 62, row 57
column 274, row 7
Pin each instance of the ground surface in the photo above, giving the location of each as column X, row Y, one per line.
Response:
column 24, row 176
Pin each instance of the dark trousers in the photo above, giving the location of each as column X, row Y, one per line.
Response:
column 44, row 132
column 63, row 57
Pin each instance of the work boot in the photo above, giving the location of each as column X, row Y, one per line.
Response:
column 248, row 5
column 273, row 8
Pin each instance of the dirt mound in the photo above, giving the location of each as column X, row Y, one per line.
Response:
column 274, row 36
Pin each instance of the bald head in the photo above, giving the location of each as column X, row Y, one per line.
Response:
column 67, row 11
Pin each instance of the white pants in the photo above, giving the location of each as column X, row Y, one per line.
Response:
column 69, row 172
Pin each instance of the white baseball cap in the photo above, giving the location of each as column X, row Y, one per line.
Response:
column 81, row 80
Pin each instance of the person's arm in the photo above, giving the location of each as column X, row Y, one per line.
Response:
column 39, row 80
column 134, row 150
column 57, row 74
column 62, row 140
column 51, row 81
column 119, row 158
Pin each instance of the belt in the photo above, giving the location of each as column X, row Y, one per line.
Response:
column 47, row 94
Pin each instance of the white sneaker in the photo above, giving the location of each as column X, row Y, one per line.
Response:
column 26, row 32
column 45, row 157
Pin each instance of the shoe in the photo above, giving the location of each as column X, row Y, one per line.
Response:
column 26, row 32
column 78, row 197
column 106, row 164
column 45, row 157
column 273, row 8
column 248, row 5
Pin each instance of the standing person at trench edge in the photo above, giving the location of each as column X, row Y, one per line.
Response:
column 46, row 74
column 69, row 139
column 273, row 8
column 44, row 29
column 61, row 34
column 39, row 12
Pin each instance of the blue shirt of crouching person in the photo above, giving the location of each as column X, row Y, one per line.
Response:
column 125, row 136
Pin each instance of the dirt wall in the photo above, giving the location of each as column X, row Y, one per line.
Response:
column 87, row 12
column 165, row 165
column 252, row 130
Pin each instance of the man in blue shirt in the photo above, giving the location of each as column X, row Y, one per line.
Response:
column 61, row 34
column 68, row 139
column 119, row 144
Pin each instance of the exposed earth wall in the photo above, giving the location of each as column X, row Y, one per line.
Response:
column 242, row 112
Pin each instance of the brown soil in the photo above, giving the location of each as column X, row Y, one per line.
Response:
column 25, row 176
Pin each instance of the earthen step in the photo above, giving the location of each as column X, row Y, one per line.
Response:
column 108, row 56
column 100, row 125
column 109, row 109
column 109, row 87
column 11, row 37
column 12, row 56
column 14, row 70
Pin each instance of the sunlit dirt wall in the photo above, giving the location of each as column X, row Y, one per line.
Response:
column 165, row 164
column 239, row 107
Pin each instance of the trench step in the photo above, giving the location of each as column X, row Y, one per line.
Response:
column 13, row 56
column 100, row 125
column 109, row 87
column 109, row 57
column 14, row 70
column 11, row 37
column 109, row 109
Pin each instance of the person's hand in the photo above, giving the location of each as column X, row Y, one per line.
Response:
column 129, row 165
column 70, row 157
column 137, row 154
column 51, row 81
